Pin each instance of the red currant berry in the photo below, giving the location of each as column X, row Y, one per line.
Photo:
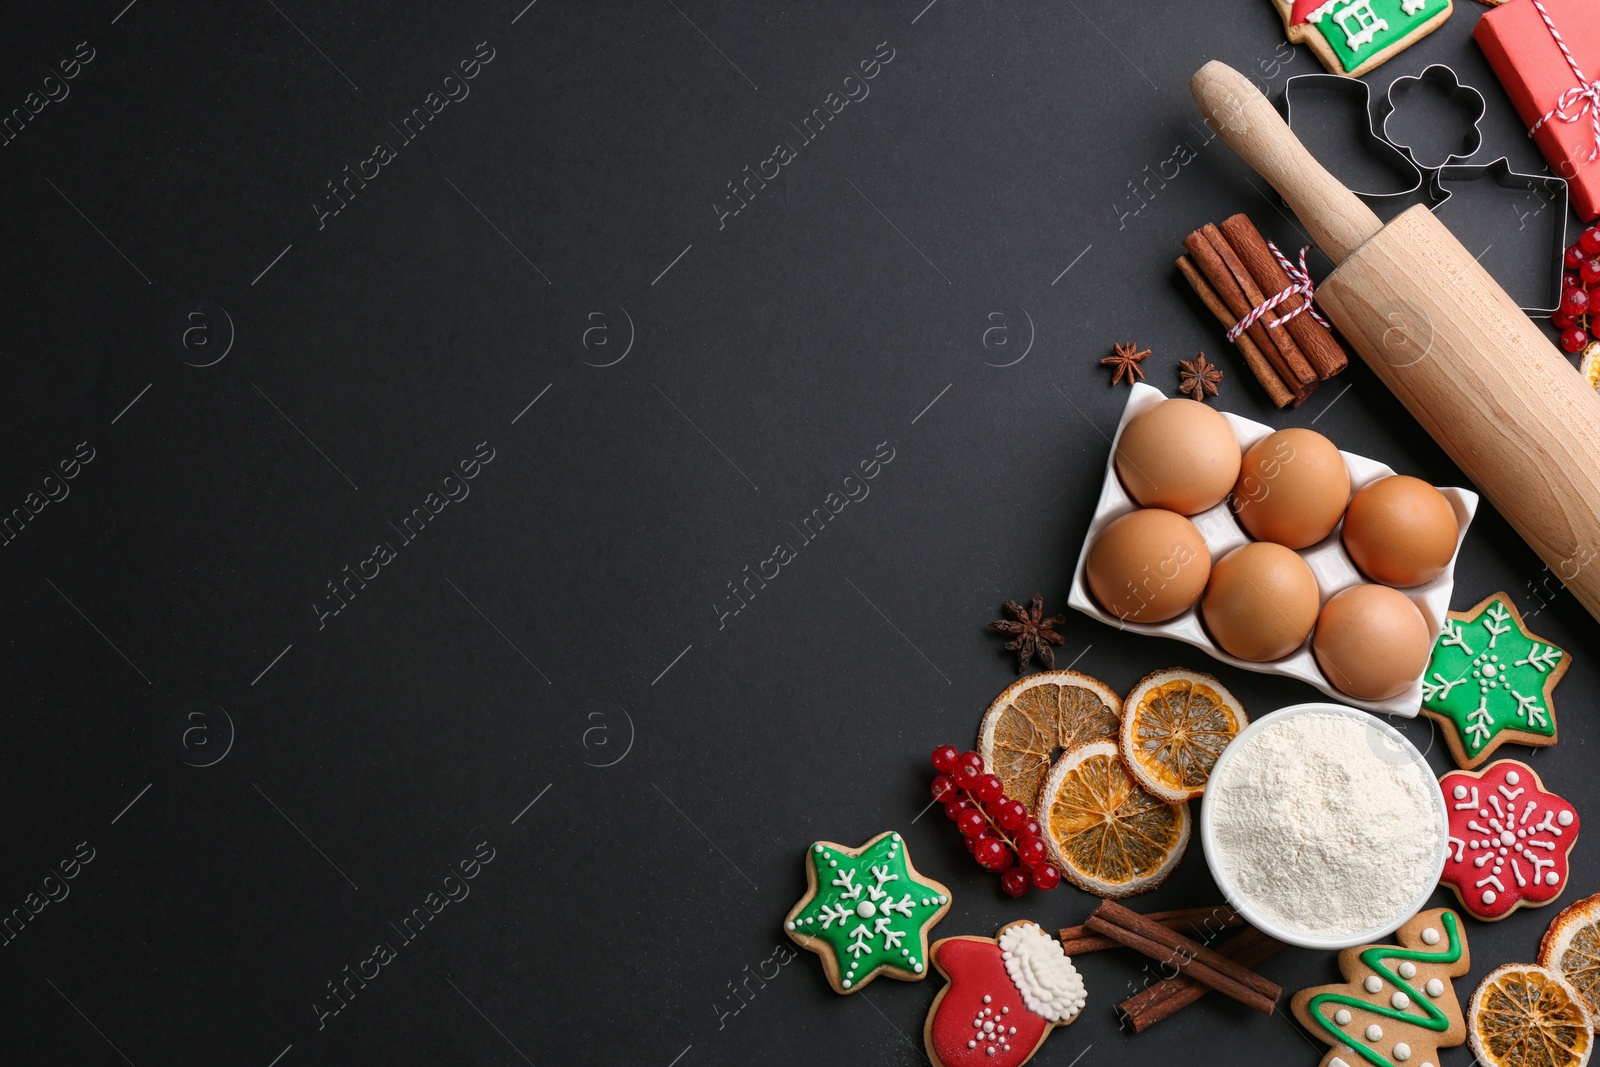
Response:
column 1589, row 241
column 990, row 852
column 944, row 758
column 988, row 788
column 1561, row 320
column 973, row 760
column 944, row 788
column 1032, row 851
column 971, row 822
column 1014, row 882
column 953, row 808
column 1573, row 257
column 1574, row 339
column 1569, row 279
column 1575, row 301
column 967, row 774
column 1046, row 877
column 1589, row 273
column 1031, row 828
column 1012, row 814
column 1008, row 860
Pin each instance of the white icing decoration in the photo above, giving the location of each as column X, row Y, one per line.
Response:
column 1430, row 936
column 1512, row 777
column 1374, row 1032
column 1435, row 988
column 1408, row 970
column 986, row 998
column 1042, row 972
column 1342, row 1017
column 1402, row 1051
column 1565, row 818
column 1374, row 984
column 1400, row 1001
column 1460, row 792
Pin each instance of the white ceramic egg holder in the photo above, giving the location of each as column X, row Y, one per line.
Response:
column 1328, row 561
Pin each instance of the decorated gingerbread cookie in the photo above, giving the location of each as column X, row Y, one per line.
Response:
column 1509, row 839
column 867, row 910
column 1352, row 36
column 1489, row 681
column 1006, row 994
column 1397, row 1006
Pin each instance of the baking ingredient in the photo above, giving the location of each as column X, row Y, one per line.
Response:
column 1572, row 947
column 1397, row 1004
column 1509, row 839
column 1261, row 601
column 1149, row 565
column 1175, row 724
column 1155, row 1003
column 1036, row 719
column 1371, row 642
column 1126, row 359
column 1170, row 948
column 1353, row 36
column 1525, row 1015
column 1324, row 824
column 1178, row 455
column 1035, row 633
column 866, row 911
column 999, row 831
column 1490, row 680
column 1005, row 995
column 1589, row 365
column 1400, row 531
column 1105, row 832
column 1198, row 377
column 1293, row 487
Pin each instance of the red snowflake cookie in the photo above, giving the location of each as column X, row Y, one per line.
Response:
column 1509, row 839
column 1005, row 995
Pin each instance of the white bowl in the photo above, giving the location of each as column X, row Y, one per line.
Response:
column 1327, row 559
column 1247, row 907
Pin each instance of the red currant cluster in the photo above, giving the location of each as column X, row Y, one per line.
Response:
column 999, row 832
column 1578, row 317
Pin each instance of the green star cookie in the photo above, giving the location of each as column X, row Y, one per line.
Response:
column 867, row 910
column 1489, row 681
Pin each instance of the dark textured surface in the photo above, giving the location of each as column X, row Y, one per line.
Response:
column 567, row 613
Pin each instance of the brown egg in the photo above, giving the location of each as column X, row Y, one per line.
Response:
column 1400, row 531
column 1261, row 601
column 1371, row 641
column 1292, row 489
column 1180, row 455
column 1148, row 566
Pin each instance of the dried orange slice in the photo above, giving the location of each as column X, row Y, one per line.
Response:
column 1175, row 723
column 1572, row 946
column 1036, row 719
column 1589, row 364
column 1104, row 832
column 1525, row 1015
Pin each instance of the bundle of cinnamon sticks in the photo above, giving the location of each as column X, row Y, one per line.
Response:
column 1232, row 270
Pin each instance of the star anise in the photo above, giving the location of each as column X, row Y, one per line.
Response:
column 1035, row 633
column 1126, row 360
column 1198, row 377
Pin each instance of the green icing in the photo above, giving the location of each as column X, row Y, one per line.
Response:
column 869, row 909
column 1357, row 30
column 1488, row 674
column 1377, row 959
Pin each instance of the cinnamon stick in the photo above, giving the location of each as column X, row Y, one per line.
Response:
column 1253, row 293
column 1077, row 940
column 1316, row 341
column 1170, row 995
column 1187, row 955
column 1259, row 365
column 1300, row 378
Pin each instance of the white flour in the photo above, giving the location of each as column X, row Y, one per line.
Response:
column 1326, row 825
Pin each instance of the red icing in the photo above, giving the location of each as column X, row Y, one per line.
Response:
column 1302, row 9
column 976, row 969
column 1477, row 831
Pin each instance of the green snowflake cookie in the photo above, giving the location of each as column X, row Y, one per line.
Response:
column 1489, row 681
column 867, row 910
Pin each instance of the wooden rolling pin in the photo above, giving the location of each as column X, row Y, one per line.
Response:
column 1445, row 338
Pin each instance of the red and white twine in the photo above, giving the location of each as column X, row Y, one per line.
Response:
column 1585, row 96
column 1300, row 279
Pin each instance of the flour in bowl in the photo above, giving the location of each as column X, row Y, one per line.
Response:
column 1325, row 825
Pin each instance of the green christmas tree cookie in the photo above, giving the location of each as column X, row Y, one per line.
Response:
column 867, row 910
column 1490, row 681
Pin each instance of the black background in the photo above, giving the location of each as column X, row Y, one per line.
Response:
column 565, row 614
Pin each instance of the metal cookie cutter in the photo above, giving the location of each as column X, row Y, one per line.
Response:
column 1313, row 93
column 1445, row 78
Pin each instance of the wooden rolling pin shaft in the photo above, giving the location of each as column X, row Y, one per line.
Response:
column 1479, row 376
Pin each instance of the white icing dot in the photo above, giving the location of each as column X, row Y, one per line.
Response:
column 1564, row 818
column 818, row 848
column 833, row 863
column 987, row 998
column 1400, row 1001
column 1488, row 896
column 1341, row 1017
column 1408, row 970
column 1461, row 792
column 1402, row 1051
column 988, row 1027
column 1552, row 878
column 978, row 1022
column 1507, row 838
column 1430, row 936
column 1374, row 1032
column 991, row 1050
column 1012, row 1030
column 1006, row 1010
column 917, row 967
column 1374, row 984
column 972, row 1044
column 846, row 983
column 943, row 899
column 866, row 909
column 905, row 952
column 1435, row 987
column 1512, row 777
column 789, row 925
column 894, row 837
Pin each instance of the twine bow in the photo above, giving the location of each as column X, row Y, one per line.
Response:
column 1580, row 100
column 1300, row 285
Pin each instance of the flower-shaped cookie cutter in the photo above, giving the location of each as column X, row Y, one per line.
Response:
column 1435, row 178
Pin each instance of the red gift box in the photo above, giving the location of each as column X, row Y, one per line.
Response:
column 1541, row 82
